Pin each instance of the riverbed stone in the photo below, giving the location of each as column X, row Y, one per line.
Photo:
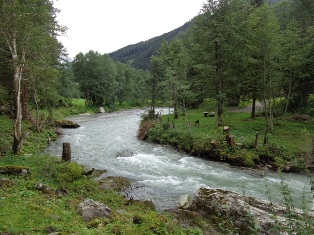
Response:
column 184, row 201
column 254, row 172
column 245, row 212
column 125, row 153
column 90, row 209
column 117, row 183
column 102, row 110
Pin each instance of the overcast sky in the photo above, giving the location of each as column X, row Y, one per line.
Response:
column 108, row 25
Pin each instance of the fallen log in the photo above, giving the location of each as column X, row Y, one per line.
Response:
column 14, row 170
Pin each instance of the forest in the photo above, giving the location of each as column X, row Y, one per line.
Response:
column 233, row 51
column 233, row 54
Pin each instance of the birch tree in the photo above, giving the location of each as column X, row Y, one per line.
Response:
column 27, row 28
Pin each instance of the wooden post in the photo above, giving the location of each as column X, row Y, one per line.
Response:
column 66, row 153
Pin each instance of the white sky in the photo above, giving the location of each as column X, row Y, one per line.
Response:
column 108, row 25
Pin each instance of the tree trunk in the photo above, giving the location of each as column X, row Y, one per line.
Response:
column 24, row 110
column 17, row 76
column 219, row 79
column 254, row 101
column 288, row 95
column 153, row 99
column 175, row 102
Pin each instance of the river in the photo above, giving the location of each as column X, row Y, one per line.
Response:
column 160, row 173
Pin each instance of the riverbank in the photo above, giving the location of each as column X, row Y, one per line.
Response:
column 40, row 194
column 85, row 189
column 45, row 200
column 287, row 148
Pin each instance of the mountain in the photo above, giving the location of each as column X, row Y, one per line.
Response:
column 138, row 55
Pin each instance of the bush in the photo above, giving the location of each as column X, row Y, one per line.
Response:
column 65, row 171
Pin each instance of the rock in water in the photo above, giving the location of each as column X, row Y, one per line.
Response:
column 184, row 201
column 125, row 153
column 90, row 210
column 102, row 110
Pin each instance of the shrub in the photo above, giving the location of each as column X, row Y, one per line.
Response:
column 65, row 171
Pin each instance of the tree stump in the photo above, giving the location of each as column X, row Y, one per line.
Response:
column 231, row 141
column 226, row 130
column 214, row 144
column 66, row 153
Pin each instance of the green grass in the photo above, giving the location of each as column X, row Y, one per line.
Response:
column 26, row 210
column 80, row 103
column 288, row 141
column 294, row 136
column 6, row 130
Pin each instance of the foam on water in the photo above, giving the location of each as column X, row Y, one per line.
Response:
column 164, row 173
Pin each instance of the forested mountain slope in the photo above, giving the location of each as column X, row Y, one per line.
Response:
column 138, row 55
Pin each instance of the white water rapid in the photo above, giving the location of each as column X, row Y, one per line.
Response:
column 163, row 173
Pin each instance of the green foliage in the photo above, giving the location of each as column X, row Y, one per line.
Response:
column 95, row 73
column 285, row 147
column 66, row 172
column 6, row 132
column 105, row 83
column 38, row 140
column 26, row 210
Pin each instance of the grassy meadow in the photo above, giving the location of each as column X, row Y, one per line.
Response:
column 287, row 146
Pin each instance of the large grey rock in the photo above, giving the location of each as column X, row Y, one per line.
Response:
column 89, row 209
column 125, row 153
column 243, row 211
column 184, row 201
column 102, row 110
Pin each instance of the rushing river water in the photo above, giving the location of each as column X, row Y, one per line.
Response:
column 163, row 173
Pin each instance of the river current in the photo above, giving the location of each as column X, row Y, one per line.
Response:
column 160, row 173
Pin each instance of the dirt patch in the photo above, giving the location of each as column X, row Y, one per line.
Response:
column 248, row 109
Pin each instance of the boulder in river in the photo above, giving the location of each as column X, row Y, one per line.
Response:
column 67, row 124
column 245, row 212
column 125, row 153
column 184, row 201
column 102, row 110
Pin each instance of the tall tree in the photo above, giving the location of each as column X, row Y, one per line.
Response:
column 27, row 27
column 96, row 74
column 214, row 25
column 174, row 58
column 265, row 48
column 291, row 60
column 155, row 81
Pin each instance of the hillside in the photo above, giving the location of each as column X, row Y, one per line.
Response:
column 138, row 55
